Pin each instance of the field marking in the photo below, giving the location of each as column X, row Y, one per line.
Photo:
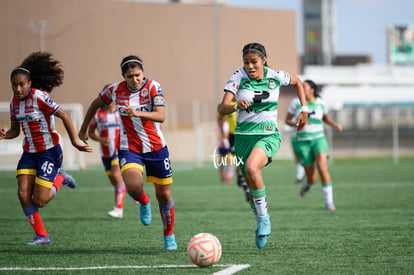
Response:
column 230, row 268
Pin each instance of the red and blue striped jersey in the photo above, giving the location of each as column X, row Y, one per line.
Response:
column 35, row 113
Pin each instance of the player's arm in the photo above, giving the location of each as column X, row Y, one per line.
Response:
column 94, row 136
column 289, row 120
column 13, row 132
column 83, row 134
column 226, row 107
column 70, row 129
column 328, row 120
column 303, row 116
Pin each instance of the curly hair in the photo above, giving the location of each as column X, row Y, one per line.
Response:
column 46, row 72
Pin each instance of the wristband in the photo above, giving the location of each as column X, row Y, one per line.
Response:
column 304, row 109
column 235, row 107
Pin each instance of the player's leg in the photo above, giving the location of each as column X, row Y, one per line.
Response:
column 260, row 156
column 166, row 205
column 132, row 171
column 256, row 161
column 114, row 175
column 306, row 158
column 321, row 159
column 159, row 171
column 25, row 191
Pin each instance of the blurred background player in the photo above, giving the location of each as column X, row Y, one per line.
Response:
column 225, row 163
column 311, row 145
column 141, row 105
column 232, row 121
column 107, row 122
column 299, row 170
column 39, row 173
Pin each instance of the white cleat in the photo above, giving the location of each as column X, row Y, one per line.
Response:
column 116, row 213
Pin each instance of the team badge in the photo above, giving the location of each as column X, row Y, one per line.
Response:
column 144, row 96
column 272, row 84
column 29, row 103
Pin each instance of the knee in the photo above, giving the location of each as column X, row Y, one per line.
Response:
column 39, row 202
column 251, row 171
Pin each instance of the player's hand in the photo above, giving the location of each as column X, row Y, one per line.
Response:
column 83, row 147
column 106, row 141
column 243, row 104
column 302, row 121
column 83, row 136
column 130, row 111
column 2, row 133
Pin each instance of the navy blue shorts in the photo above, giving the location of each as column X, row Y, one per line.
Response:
column 157, row 164
column 108, row 162
column 44, row 165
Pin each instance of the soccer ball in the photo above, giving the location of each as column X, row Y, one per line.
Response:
column 204, row 249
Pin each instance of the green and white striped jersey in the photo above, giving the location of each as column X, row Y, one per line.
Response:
column 261, row 117
column 314, row 127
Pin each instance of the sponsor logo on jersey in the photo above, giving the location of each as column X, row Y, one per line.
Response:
column 158, row 100
column 122, row 162
column 49, row 101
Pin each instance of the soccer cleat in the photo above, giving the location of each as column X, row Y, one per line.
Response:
column 68, row 180
column 145, row 214
column 263, row 230
column 247, row 193
column 169, row 242
column 38, row 240
column 330, row 207
column 116, row 213
column 299, row 180
column 305, row 189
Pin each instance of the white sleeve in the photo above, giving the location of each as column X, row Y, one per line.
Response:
column 293, row 106
column 284, row 77
column 233, row 83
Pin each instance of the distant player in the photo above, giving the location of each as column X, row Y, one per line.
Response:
column 232, row 120
column 39, row 173
column 225, row 153
column 311, row 145
column 107, row 123
column 141, row 105
column 300, row 171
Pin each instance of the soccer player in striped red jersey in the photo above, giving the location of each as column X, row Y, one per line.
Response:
column 39, row 174
column 107, row 123
column 141, row 105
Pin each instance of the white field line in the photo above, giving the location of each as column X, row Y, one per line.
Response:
column 232, row 269
column 229, row 268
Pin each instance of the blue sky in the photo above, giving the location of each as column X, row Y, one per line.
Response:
column 360, row 24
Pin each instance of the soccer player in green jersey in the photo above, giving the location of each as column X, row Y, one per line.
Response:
column 257, row 137
column 311, row 146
